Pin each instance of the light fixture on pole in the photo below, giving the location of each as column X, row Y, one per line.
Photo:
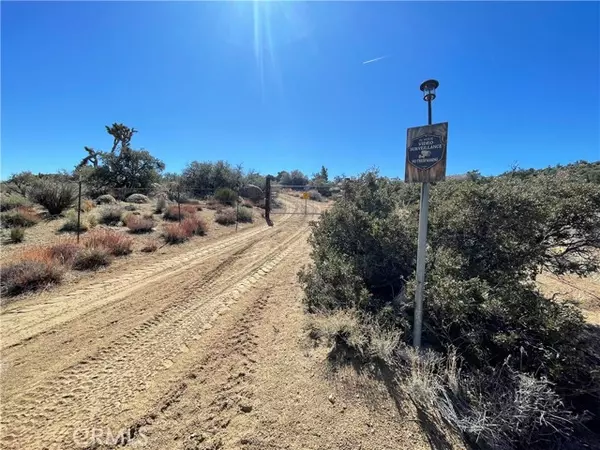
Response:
column 428, row 87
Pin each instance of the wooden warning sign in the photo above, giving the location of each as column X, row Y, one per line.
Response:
column 426, row 153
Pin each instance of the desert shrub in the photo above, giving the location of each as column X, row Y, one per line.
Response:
column 13, row 201
column 161, row 204
column 226, row 216
column 22, row 216
column 53, row 195
column 488, row 240
column 226, row 196
column 17, row 235
column 106, row 199
column 29, row 275
column 92, row 258
column 87, row 205
column 130, row 208
column 151, row 245
column 111, row 215
column 172, row 212
column 247, row 204
column 139, row 224
column 244, row 215
column 64, row 252
column 138, row 198
column 315, row 195
column 175, row 233
column 115, row 242
column 87, row 221
column 194, row 226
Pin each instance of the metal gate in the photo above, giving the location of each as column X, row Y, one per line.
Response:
column 304, row 200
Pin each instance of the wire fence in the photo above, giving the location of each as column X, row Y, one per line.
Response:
column 174, row 193
column 306, row 192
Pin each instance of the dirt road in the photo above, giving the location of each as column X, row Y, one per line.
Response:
column 201, row 350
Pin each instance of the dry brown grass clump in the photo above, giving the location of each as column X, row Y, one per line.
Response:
column 172, row 212
column 38, row 266
column 29, row 275
column 33, row 269
column 117, row 243
column 226, row 216
column 194, row 226
column 139, row 224
column 174, row 233
column 92, row 258
column 151, row 245
column 64, row 252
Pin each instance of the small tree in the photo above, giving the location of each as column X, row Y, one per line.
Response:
column 295, row 178
column 322, row 175
column 200, row 178
column 123, row 168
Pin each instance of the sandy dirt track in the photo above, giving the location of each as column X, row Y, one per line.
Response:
column 204, row 349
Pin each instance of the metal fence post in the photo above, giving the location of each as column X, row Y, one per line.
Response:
column 268, row 201
column 237, row 211
column 79, row 211
column 179, row 202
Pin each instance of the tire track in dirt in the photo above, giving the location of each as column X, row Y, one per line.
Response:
column 21, row 324
column 24, row 364
column 125, row 367
column 228, row 368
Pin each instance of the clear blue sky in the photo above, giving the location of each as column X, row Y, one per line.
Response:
column 282, row 85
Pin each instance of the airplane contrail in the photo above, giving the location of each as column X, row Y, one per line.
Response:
column 376, row 59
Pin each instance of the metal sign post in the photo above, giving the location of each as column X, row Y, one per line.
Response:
column 425, row 163
column 305, row 196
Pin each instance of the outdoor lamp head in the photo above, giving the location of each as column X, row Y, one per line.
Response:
column 428, row 87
